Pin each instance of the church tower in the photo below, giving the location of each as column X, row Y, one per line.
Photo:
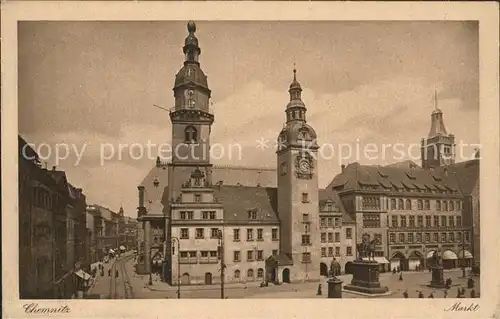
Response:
column 439, row 147
column 298, row 190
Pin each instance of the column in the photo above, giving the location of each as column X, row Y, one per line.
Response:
column 147, row 246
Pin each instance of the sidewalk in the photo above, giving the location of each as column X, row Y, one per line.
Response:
column 100, row 284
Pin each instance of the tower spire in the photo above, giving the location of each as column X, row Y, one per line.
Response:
column 191, row 49
column 435, row 100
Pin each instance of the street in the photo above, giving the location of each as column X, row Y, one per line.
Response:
column 137, row 287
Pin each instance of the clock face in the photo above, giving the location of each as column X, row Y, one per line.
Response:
column 304, row 166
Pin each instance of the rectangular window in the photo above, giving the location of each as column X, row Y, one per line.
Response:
column 427, row 237
column 348, row 251
column 323, row 251
column 192, row 254
column 420, row 221
column 236, row 235
column 306, row 257
column 394, row 221
column 323, row 222
column 274, row 233
column 330, row 251
column 323, row 237
column 451, row 221
column 348, row 233
column 184, row 254
column 436, row 221
column 260, row 232
column 410, row 238
column 305, row 218
column 260, row 255
column 459, row 236
column 412, row 221
column 419, row 237
column 330, row 237
column 427, row 205
column 184, row 233
column 249, row 234
column 200, row 233
column 443, row 237
column 204, row 254
column 236, row 256
column 197, row 198
column 392, row 238
column 214, row 233
column 428, row 221
column 435, row 237
column 204, row 215
column 252, row 215
column 401, row 238
column 306, row 239
column 337, row 237
column 250, row 255
column 183, row 215
column 275, row 252
column 452, row 237
column 338, row 223
column 443, row 221
column 403, row 221
column 305, row 198
column 212, row 215
column 213, row 254
column 459, row 221
column 190, row 215
column 337, row 251
column 466, row 234
column 330, row 222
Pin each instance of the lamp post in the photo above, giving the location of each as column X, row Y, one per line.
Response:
column 176, row 240
column 151, row 267
column 463, row 253
column 222, row 264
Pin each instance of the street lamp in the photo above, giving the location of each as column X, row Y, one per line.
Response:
column 222, row 264
column 176, row 240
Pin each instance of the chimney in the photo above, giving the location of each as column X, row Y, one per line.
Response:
column 342, row 168
column 141, row 196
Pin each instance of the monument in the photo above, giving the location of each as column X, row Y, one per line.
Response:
column 365, row 273
column 436, row 267
column 334, row 283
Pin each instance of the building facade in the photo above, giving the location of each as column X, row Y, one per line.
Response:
column 52, row 231
column 263, row 223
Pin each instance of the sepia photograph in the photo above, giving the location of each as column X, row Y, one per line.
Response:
column 197, row 158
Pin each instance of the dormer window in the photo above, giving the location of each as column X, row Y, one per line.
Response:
column 190, row 135
column 252, row 215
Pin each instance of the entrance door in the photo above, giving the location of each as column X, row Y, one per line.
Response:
column 208, row 278
column 286, row 275
column 185, row 279
column 323, row 269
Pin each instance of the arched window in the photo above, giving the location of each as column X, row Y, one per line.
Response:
column 260, row 273
column 408, row 204
column 237, row 274
column 250, row 273
column 190, row 135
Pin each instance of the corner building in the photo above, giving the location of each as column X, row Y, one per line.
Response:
column 268, row 218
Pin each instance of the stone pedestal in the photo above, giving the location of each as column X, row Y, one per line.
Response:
column 437, row 277
column 334, row 288
column 365, row 278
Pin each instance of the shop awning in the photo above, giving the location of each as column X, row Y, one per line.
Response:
column 111, row 251
column 449, row 255
column 122, row 248
column 82, row 274
column 380, row 260
column 468, row 255
column 430, row 254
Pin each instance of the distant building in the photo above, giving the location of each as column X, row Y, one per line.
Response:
column 105, row 229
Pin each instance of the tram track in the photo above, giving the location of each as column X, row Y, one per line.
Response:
column 123, row 290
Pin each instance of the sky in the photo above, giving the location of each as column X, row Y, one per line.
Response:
column 90, row 86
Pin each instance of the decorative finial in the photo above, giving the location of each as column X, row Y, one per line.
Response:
column 435, row 99
column 294, row 72
column 191, row 26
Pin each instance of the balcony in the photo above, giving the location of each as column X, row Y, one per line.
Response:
column 190, row 109
column 188, row 260
column 208, row 260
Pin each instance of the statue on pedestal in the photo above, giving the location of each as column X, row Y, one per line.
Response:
column 366, row 248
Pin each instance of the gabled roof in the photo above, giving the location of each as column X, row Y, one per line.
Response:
column 239, row 200
column 396, row 176
column 467, row 173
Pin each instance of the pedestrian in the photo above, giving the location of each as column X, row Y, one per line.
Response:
column 431, row 295
column 401, row 277
column 473, row 293
column 116, row 273
column 420, row 294
column 319, row 290
column 405, row 294
column 109, row 272
column 446, row 293
column 459, row 292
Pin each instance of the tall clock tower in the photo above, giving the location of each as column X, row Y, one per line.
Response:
column 298, row 190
